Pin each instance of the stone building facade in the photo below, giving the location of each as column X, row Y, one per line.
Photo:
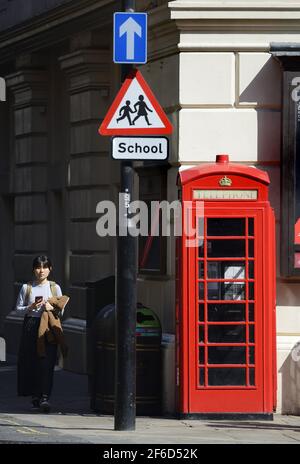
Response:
column 210, row 67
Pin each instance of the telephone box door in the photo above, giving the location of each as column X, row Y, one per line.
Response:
column 226, row 312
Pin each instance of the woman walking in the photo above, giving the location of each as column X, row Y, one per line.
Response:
column 35, row 371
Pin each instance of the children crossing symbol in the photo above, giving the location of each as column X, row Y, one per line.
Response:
column 142, row 111
column 125, row 112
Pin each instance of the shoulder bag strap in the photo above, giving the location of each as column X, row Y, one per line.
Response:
column 53, row 288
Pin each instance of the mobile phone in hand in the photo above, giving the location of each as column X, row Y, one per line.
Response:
column 38, row 299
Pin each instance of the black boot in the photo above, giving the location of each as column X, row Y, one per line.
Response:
column 44, row 404
column 35, row 401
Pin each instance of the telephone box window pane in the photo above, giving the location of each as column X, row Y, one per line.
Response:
column 201, row 334
column 226, row 248
column 201, row 290
column 227, row 333
column 201, row 376
column 226, row 291
column 201, row 250
column 251, row 227
column 252, row 376
column 226, row 270
column 200, row 269
column 251, row 248
column 227, row 355
column 251, row 333
column 234, row 291
column 251, row 291
column 226, row 312
column 201, row 312
column 214, row 291
column 251, row 312
column 226, row 376
column 213, row 270
column 201, row 355
column 225, row 226
column 251, row 269
column 251, row 355
column 233, row 270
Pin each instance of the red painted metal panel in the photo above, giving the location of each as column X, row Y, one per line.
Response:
column 241, row 171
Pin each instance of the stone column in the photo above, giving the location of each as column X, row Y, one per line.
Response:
column 89, row 181
column 29, row 89
column 6, row 216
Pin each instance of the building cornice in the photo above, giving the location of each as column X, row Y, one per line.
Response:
column 234, row 11
column 55, row 26
column 163, row 31
column 228, row 8
column 234, row 26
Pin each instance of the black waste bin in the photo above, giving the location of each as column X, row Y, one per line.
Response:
column 148, row 361
column 98, row 295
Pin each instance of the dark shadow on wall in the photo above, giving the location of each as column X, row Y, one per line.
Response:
column 270, row 92
column 268, row 140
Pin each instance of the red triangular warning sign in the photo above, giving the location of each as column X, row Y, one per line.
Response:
column 135, row 111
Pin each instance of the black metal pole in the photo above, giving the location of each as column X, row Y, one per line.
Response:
column 126, row 299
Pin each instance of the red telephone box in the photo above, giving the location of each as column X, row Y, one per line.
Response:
column 226, row 353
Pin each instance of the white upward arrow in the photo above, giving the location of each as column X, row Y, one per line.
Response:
column 130, row 27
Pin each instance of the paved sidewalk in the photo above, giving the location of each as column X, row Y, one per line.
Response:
column 71, row 421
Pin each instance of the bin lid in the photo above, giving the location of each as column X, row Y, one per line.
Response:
column 147, row 323
column 145, row 317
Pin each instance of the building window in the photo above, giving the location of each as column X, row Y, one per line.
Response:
column 152, row 249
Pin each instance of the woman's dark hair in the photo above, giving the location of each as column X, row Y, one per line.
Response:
column 41, row 261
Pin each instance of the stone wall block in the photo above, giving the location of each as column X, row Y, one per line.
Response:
column 31, row 149
column 83, row 202
column 85, row 138
column 30, row 119
column 246, row 134
column 89, row 171
column 30, row 179
column 30, row 208
column 23, row 267
column 87, row 105
column 89, row 268
column 259, row 80
column 83, row 237
column 207, row 79
column 32, row 237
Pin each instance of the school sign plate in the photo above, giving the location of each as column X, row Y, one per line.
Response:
column 140, row 148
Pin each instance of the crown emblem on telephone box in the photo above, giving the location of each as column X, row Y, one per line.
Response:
column 225, row 182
